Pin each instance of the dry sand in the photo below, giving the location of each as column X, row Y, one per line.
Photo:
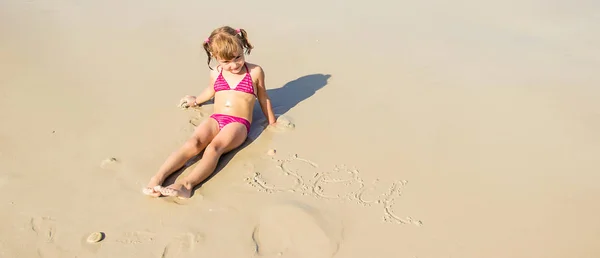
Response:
column 422, row 129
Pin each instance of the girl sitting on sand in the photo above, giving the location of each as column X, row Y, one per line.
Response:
column 235, row 85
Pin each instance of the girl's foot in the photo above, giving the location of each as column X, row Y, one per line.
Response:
column 176, row 189
column 153, row 188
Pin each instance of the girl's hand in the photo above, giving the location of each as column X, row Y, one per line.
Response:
column 271, row 126
column 188, row 101
column 282, row 124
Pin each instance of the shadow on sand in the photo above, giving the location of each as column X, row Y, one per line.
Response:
column 282, row 100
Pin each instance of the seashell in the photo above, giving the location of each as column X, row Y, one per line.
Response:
column 95, row 237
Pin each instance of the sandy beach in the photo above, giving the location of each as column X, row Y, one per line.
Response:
column 416, row 129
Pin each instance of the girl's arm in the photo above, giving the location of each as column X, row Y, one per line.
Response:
column 263, row 98
column 205, row 96
column 209, row 92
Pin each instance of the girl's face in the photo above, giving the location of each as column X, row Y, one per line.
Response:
column 234, row 65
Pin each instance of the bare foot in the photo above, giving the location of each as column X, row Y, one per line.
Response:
column 176, row 189
column 153, row 188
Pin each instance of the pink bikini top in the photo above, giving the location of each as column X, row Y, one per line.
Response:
column 245, row 85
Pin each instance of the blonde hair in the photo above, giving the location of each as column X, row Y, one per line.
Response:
column 226, row 43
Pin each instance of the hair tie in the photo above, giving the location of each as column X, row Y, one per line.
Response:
column 237, row 30
column 207, row 40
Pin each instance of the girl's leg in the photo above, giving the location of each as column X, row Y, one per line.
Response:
column 229, row 138
column 203, row 134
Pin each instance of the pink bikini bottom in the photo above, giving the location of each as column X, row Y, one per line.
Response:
column 224, row 120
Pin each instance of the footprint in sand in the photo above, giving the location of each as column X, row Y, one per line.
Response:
column 182, row 244
column 296, row 230
column 197, row 116
column 44, row 227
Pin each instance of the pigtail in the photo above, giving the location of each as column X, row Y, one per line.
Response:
column 206, row 46
column 243, row 35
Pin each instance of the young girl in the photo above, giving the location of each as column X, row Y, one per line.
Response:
column 235, row 86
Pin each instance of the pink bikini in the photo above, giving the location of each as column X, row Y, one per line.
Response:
column 246, row 86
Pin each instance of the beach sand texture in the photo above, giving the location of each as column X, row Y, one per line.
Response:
column 421, row 129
